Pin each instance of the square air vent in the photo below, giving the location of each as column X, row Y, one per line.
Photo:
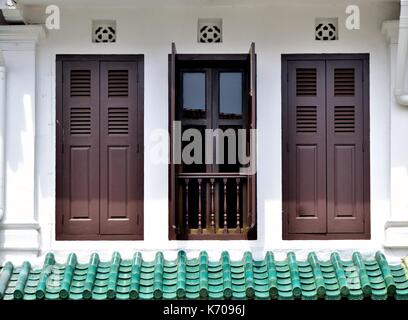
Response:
column 104, row 31
column 209, row 30
column 326, row 29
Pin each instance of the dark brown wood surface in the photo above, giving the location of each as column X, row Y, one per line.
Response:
column 99, row 147
column 325, row 146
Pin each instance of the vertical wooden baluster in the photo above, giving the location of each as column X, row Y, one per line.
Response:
column 238, row 222
column 200, row 230
column 187, row 209
column 212, row 206
column 225, row 206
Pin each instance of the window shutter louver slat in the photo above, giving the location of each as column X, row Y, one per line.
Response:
column 344, row 82
column 306, row 82
column 80, row 120
column 118, row 121
column 80, row 83
column 344, row 119
column 306, row 119
column 118, row 83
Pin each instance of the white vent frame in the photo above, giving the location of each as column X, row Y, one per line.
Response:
column 104, row 31
column 209, row 30
column 326, row 29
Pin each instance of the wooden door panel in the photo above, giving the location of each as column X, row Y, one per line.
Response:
column 80, row 150
column 306, row 151
column 120, row 179
column 345, row 138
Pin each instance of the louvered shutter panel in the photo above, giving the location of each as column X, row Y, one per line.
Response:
column 345, row 156
column 175, row 223
column 251, row 193
column 121, row 169
column 305, row 165
column 80, row 150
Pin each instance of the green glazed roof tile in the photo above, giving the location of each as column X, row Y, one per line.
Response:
column 200, row 278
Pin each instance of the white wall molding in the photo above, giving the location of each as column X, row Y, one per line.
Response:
column 2, row 133
column 20, row 37
column 396, row 226
column 19, row 228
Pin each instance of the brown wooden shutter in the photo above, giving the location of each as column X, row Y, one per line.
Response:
column 172, row 167
column 305, row 169
column 80, row 148
column 345, row 143
column 120, row 171
column 251, row 194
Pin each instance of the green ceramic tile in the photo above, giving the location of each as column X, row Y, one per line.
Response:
column 220, row 279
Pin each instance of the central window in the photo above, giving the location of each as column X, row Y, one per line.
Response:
column 212, row 105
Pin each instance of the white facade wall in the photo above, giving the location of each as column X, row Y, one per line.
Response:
column 276, row 29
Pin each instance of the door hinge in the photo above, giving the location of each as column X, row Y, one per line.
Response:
column 287, row 76
column 363, row 147
column 138, row 148
column 287, row 147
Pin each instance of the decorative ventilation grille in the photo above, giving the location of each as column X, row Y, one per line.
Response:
column 80, row 83
column 80, row 120
column 306, row 82
column 209, row 30
column 344, row 82
column 104, row 31
column 306, row 119
column 344, row 119
column 326, row 29
column 118, row 83
column 118, row 121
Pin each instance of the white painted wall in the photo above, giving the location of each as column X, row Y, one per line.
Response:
column 275, row 29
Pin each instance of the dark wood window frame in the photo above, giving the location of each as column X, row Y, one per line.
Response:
column 176, row 229
column 139, row 138
column 286, row 58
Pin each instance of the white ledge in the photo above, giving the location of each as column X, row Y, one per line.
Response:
column 21, row 33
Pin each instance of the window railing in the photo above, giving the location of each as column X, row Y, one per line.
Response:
column 212, row 206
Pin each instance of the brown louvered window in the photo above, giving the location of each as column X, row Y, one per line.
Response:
column 80, row 120
column 118, row 120
column 99, row 158
column 344, row 82
column 344, row 119
column 306, row 82
column 118, row 83
column 325, row 147
column 306, row 119
column 80, row 83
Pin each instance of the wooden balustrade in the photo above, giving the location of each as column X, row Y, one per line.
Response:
column 212, row 205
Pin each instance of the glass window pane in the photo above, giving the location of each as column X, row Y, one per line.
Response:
column 230, row 95
column 194, row 95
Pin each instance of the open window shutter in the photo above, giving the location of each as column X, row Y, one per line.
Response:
column 172, row 168
column 80, row 148
column 345, row 154
column 306, row 150
column 120, row 179
column 251, row 194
